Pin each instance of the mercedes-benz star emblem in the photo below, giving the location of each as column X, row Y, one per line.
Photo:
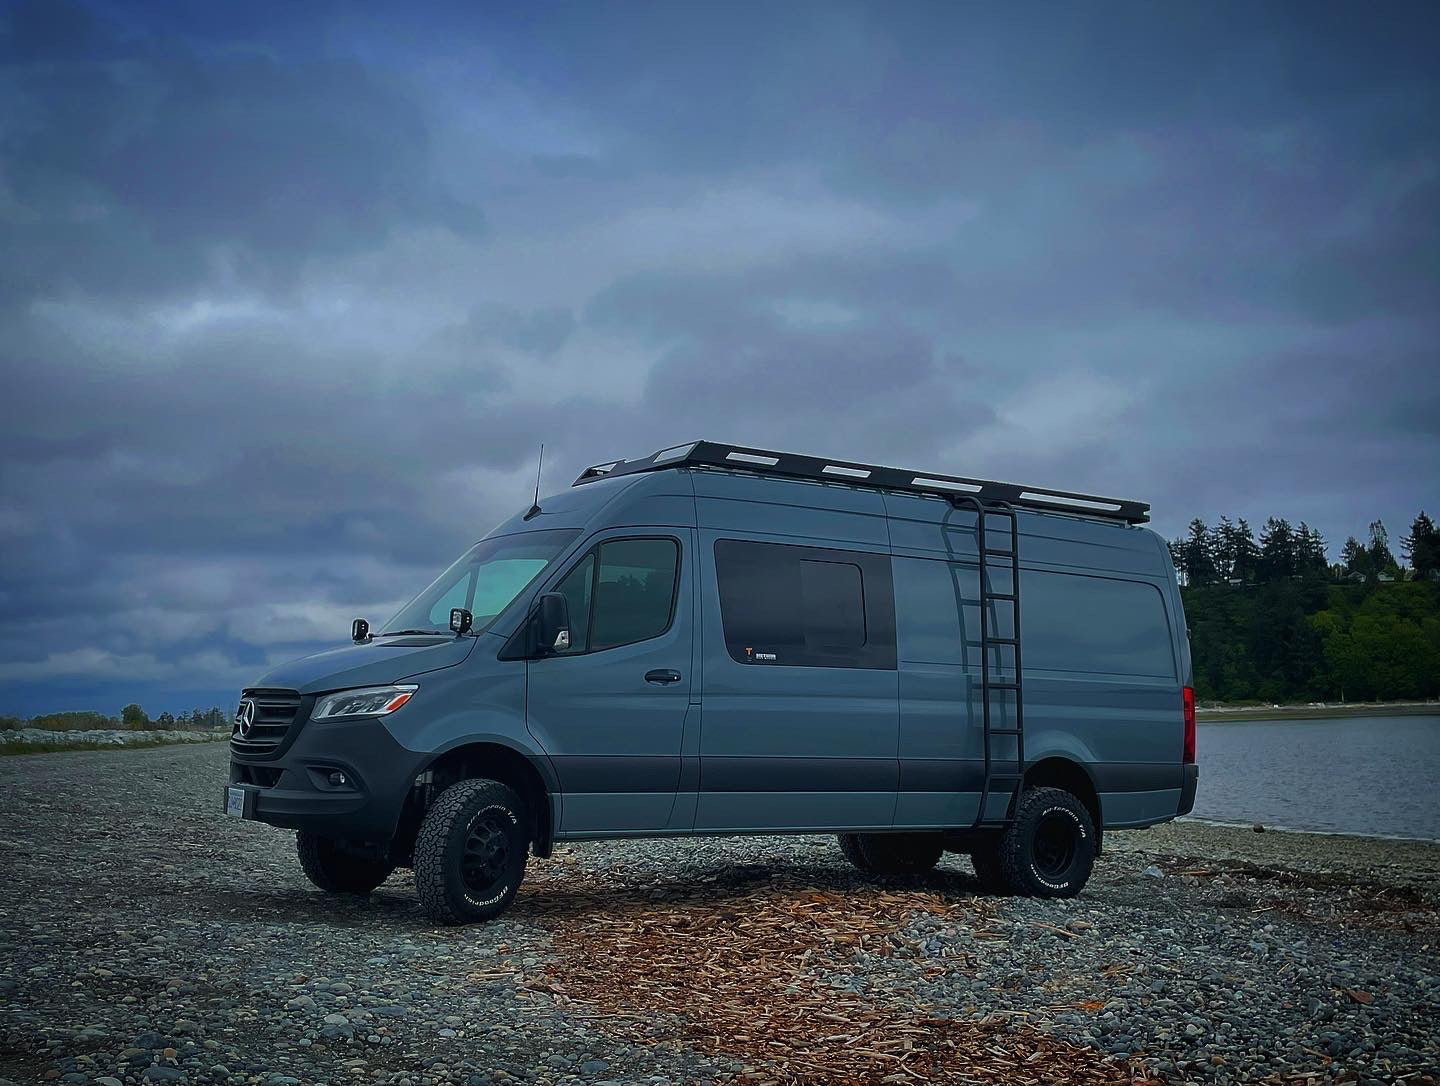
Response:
column 245, row 717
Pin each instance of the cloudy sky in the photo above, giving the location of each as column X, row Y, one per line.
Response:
column 289, row 295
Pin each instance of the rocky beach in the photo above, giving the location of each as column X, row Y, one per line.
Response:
column 145, row 938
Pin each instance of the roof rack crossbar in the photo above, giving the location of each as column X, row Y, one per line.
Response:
column 716, row 454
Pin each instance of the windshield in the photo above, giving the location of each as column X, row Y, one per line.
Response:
column 485, row 579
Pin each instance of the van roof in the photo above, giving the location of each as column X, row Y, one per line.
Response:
column 959, row 489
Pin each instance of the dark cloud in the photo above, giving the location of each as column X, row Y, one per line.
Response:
column 138, row 164
column 289, row 297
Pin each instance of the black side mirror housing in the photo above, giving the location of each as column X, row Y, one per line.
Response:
column 552, row 624
column 460, row 621
column 359, row 631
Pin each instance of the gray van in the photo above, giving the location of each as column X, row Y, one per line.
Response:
column 718, row 639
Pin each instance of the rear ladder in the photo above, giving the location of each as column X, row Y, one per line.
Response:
column 1003, row 772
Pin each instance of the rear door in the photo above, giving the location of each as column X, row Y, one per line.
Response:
column 611, row 711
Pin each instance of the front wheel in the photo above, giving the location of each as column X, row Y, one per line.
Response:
column 1047, row 851
column 470, row 852
column 329, row 866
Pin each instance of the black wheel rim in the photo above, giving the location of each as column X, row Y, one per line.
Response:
column 1055, row 845
column 487, row 853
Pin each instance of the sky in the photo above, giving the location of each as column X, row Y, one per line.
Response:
column 290, row 294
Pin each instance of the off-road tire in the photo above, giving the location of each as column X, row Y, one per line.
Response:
column 1049, row 849
column 335, row 871
column 892, row 853
column 464, row 809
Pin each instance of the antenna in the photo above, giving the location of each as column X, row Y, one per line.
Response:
column 535, row 507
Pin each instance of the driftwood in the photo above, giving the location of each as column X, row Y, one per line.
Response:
column 761, row 976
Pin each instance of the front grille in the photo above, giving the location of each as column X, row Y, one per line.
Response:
column 275, row 712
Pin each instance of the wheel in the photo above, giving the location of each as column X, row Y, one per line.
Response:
column 332, row 869
column 470, row 852
column 1049, row 849
column 892, row 853
column 986, row 860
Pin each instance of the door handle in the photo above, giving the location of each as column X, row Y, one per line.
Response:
column 662, row 676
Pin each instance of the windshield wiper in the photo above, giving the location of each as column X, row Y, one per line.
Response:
column 397, row 633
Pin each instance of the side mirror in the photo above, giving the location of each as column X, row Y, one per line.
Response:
column 552, row 623
column 460, row 621
column 359, row 631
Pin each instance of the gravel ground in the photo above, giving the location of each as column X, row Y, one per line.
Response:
column 104, row 737
column 145, row 938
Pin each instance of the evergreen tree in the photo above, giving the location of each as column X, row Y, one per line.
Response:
column 1277, row 549
column 1225, row 544
column 1177, row 558
column 1422, row 548
column 1381, row 560
column 1355, row 558
column 1200, row 554
column 134, row 718
column 1246, row 565
column 1310, row 552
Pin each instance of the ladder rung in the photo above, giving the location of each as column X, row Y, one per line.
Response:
column 1002, row 641
column 997, row 596
column 1000, row 686
column 1004, row 731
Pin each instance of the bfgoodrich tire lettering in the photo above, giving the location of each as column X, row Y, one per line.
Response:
column 470, row 852
column 335, row 871
column 1049, row 850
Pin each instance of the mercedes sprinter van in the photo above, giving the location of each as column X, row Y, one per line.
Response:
column 717, row 639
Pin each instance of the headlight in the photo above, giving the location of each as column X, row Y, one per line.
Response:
column 365, row 701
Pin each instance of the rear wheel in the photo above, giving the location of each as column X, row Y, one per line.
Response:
column 470, row 852
column 329, row 866
column 892, row 853
column 1048, row 850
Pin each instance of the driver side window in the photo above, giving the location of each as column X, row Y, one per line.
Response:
column 620, row 593
column 576, row 588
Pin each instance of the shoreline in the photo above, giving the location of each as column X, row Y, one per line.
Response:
column 1249, row 827
column 1234, row 714
column 1387, row 861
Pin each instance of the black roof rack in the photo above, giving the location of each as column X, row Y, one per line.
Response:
column 716, row 454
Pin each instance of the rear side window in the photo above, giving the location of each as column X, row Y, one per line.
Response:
column 621, row 592
column 1095, row 624
column 805, row 606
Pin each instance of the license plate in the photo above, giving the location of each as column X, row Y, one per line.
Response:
column 235, row 802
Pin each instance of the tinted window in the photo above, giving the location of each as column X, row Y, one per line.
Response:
column 832, row 599
column 634, row 591
column 805, row 606
column 621, row 592
column 576, row 589
column 1095, row 624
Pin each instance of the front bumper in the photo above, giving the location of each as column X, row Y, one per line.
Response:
column 1187, row 789
column 292, row 789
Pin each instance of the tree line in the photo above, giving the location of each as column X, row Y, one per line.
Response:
column 1229, row 553
column 132, row 718
column 1272, row 619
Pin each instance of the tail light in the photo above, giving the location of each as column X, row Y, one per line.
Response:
column 1189, row 700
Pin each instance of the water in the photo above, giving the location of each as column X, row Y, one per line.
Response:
column 1372, row 775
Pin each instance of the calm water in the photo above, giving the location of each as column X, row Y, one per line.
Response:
column 1375, row 775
